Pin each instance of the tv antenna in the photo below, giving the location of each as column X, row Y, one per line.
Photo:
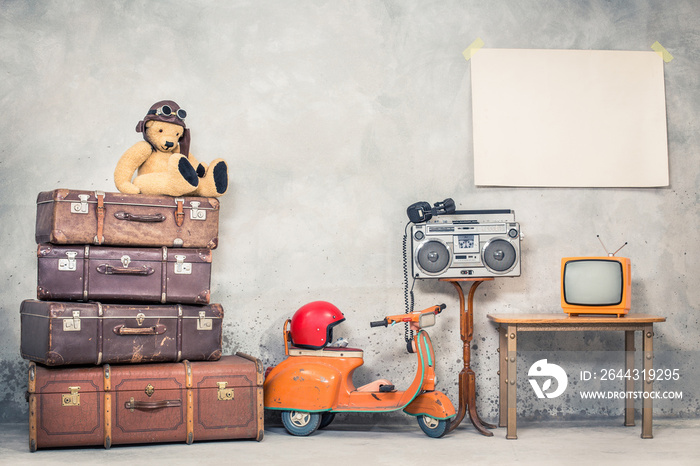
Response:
column 610, row 254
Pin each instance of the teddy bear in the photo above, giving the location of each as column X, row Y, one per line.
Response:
column 163, row 161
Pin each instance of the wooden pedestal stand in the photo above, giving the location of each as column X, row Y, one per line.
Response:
column 467, row 378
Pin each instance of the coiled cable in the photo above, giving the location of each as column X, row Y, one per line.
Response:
column 407, row 293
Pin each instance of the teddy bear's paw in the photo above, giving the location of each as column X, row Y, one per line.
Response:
column 187, row 171
column 128, row 188
column 220, row 173
column 215, row 182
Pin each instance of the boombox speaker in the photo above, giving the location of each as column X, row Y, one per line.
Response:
column 467, row 244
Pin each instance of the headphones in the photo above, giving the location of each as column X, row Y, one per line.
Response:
column 422, row 211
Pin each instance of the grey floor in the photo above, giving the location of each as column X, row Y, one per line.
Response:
column 676, row 441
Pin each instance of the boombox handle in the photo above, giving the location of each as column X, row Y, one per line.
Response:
column 487, row 211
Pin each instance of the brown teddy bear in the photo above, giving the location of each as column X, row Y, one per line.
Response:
column 163, row 161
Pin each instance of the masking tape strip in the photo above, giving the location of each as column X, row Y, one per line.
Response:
column 663, row 53
column 473, row 48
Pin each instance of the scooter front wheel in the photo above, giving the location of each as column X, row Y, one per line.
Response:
column 432, row 427
column 300, row 423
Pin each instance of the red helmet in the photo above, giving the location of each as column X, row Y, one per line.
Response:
column 312, row 325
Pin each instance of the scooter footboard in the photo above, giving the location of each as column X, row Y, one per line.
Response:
column 433, row 404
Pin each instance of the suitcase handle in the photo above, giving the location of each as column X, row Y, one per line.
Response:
column 111, row 270
column 124, row 330
column 153, row 218
column 145, row 405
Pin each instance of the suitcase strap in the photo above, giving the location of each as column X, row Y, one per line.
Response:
column 100, row 212
column 189, row 382
column 180, row 212
column 107, row 432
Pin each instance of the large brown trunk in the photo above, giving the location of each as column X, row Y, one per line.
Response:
column 113, row 219
column 147, row 403
column 65, row 333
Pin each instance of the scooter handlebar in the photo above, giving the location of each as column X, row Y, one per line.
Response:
column 413, row 317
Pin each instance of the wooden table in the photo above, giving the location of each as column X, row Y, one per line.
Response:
column 467, row 378
column 511, row 324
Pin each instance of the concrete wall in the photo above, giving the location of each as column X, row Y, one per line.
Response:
column 335, row 116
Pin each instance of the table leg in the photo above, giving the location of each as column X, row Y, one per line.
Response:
column 629, row 382
column 512, row 337
column 502, row 376
column 647, row 403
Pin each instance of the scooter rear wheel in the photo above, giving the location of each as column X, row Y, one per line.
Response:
column 326, row 419
column 300, row 423
column 432, row 427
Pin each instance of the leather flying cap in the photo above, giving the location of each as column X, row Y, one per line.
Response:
column 169, row 112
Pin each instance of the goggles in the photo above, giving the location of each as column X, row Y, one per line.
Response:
column 165, row 110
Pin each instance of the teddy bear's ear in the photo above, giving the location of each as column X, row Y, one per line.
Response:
column 141, row 126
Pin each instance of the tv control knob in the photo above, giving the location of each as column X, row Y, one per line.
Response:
column 513, row 233
column 419, row 235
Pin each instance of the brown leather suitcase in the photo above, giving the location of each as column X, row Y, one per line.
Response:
column 165, row 275
column 69, row 333
column 67, row 216
column 146, row 403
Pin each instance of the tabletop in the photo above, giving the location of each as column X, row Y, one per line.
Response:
column 562, row 318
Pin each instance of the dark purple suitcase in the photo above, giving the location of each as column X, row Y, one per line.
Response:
column 65, row 333
column 99, row 273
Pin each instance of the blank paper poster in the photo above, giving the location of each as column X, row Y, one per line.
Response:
column 579, row 118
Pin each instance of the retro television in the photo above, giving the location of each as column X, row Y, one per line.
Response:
column 596, row 285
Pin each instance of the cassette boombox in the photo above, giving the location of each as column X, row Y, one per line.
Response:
column 467, row 244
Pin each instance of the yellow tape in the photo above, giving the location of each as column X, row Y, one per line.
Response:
column 473, row 48
column 663, row 53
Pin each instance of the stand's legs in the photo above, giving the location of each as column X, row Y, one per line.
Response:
column 503, row 376
column 629, row 383
column 511, row 381
column 467, row 378
column 647, row 403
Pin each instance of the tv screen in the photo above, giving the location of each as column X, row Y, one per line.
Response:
column 592, row 282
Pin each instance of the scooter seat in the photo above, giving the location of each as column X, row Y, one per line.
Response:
column 333, row 348
column 327, row 352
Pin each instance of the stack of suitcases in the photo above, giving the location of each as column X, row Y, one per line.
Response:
column 124, row 344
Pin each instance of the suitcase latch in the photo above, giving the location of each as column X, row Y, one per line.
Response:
column 72, row 398
column 80, row 207
column 140, row 317
column 69, row 264
column 223, row 393
column 195, row 212
column 182, row 267
column 203, row 323
column 126, row 260
column 72, row 325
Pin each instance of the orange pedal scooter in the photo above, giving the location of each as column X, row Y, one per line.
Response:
column 311, row 385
